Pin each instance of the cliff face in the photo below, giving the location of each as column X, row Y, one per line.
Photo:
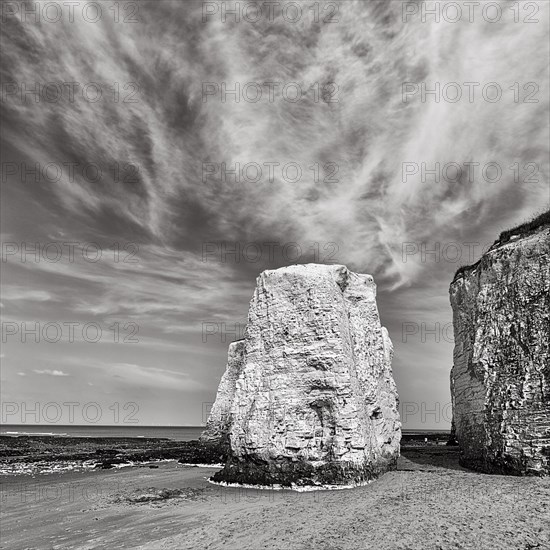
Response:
column 315, row 401
column 500, row 380
column 219, row 421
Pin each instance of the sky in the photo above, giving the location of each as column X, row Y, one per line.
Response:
column 363, row 133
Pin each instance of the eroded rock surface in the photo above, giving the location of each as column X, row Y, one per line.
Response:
column 219, row 420
column 500, row 381
column 315, row 400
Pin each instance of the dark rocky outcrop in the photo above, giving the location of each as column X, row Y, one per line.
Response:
column 32, row 454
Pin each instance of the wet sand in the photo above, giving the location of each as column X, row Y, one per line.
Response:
column 430, row 502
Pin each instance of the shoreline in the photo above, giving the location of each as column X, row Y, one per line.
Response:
column 37, row 454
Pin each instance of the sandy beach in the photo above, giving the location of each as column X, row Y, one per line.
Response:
column 430, row 502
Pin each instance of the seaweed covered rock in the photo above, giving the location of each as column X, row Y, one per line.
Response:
column 314, row 401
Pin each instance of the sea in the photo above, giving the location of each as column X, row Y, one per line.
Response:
column 176, row 433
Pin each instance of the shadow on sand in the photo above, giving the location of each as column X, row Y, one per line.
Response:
column 428, row 458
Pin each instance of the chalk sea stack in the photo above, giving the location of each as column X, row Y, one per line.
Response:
column 313, row 398
column 500, row 380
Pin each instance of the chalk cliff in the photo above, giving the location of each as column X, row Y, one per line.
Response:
column 314, row 401
column 219, row 421
column 500, row 380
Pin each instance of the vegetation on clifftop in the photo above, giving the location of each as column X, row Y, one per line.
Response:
column 519, row 231
column 525, row 228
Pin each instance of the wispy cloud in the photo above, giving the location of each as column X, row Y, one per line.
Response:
column 368, row 133
column 15, row 293
column 50, row 372
column 139, row 375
